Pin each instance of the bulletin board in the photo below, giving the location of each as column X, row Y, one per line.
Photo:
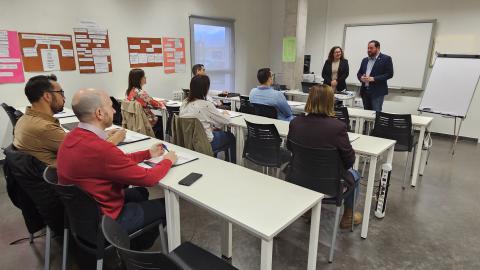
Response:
column 174, row 55
column 145, row 52
column 46, row 52
column 11, row 69
column 93, row 50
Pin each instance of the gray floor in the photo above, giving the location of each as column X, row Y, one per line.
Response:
column 434, row 226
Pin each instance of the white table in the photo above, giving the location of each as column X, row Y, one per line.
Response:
column 260, row 204
column 419, row 122
column 292, row 94
column 233, row 101
column 369, row 146
column 361, row 116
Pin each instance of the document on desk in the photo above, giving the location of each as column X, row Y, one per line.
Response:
column 353, row 136
column 132, row 137
column 231, row 113
column 183, row 158
column 295, row 103
column 64, row 114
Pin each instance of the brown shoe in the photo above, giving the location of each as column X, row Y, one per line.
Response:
column 346, row 221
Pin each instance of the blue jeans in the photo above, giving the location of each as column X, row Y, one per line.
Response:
column 374, row 103
column 224, row 140
column 349, row 201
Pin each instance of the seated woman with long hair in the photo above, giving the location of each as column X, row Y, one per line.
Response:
column 135, row 91
column 197, row 106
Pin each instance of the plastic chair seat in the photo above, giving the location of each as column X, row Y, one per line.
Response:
column 190, row 256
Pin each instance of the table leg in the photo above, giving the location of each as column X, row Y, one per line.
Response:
column 418, row 156
column 390, row 155
column 233, row 105
column 226, row 240
column 173, row 219
column 368, row 196
column 357, row 161
column 314, row 232
column 267, row 254
column 164, row 122
column 239, row 136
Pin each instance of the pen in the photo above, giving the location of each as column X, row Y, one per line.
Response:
column 165, row 147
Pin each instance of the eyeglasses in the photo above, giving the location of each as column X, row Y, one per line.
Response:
column 59, row 91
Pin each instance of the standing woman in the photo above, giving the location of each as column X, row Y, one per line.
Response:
column 135, row 91
column 335, row 70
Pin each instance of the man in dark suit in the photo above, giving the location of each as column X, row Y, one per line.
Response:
column 374, row 72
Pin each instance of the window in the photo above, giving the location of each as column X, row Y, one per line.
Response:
column 213, row 45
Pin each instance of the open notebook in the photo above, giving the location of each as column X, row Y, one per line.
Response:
column 231, row 113
column 130, row 137
column 182, row 159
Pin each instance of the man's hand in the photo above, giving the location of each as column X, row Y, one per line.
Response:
column 171, row 156
column 370, row 79
column 156, row 150
column 225, row 112
column 116, row 136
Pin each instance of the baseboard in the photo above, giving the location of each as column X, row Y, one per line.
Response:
column 460, row 138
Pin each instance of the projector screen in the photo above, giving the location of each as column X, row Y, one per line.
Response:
column 408, row 43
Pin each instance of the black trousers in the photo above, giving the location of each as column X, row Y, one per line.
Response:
column 138, row 212
column 158, row 129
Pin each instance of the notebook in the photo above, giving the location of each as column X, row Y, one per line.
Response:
column 183, row 158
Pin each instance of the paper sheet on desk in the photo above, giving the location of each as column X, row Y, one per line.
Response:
column 352, row 136
column 231, row 113
column 64, row 114
column 130, row 136
column 295, row 103
column 182, row 159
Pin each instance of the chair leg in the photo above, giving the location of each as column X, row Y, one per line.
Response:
column 48, row 240
column 99, row 264
column 163, row 239
column 278, row 173
column 31, row 238
column 334, row 237
column 65, row 249
column 353, row 209
column 406, row 170
column 413, row 161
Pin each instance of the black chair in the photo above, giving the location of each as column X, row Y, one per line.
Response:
column 264, row 110
column 38, row 201
column 263, row 147
column 245, row 106
column 117, row 117
column 171, row 111
column 396, row 127
column 12, row 113
column 320, row 169
column 341, row 113
column 186, row 256
column 84, row 217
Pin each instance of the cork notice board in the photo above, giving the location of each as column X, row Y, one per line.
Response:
column 93, row 50
column 145, row 52
column 46, row 52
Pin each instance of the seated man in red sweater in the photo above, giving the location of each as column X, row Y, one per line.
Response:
column 88, row 161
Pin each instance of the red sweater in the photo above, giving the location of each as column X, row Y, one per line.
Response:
column 102, row 170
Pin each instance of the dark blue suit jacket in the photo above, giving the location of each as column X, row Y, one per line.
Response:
column 382, row 71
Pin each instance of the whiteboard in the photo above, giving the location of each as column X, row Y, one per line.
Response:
column 408, row 43
column 451, row 86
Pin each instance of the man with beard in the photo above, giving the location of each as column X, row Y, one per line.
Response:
column 374, row 72
column 37, row 132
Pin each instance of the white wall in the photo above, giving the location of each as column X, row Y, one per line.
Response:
column 149, row 18
column 460, row 17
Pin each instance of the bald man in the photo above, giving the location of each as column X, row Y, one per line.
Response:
column 87, row 160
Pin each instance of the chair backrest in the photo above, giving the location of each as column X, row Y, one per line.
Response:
column 12, row 113
column 395, row 127
column 189, row 133
column 263, row 144
column 318, row 169
column 171, row 111
column 134, row 260
column 83, row 215
column 245, row 106
column 264, row 110
column 135, row 119
column 341, row 113
column 117, row 117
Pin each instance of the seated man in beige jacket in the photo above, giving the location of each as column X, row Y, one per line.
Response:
column 37, row 132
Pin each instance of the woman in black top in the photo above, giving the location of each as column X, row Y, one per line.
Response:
column 335, row 70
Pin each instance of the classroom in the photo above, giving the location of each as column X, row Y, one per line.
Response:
column 254, row 134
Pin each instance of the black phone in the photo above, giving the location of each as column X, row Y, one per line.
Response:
column 190, row 179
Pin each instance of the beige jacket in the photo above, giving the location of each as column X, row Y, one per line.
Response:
column 189, row 133
column 135, row 119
